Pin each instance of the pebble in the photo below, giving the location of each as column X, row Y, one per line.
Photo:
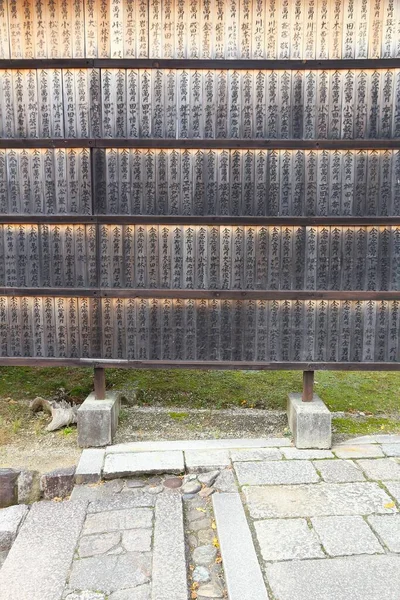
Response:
column 201, row 575
column 204, row 555
column 191, row 487
column 155, row 489
column 210, row 590
column 204, row 523
column 134, row 483
column 208, row 478
column 206, row 492
column 190, row 477
column 173, row 482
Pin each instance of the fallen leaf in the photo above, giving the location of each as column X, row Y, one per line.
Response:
column 389, row 505
column 218, row 560
column 213, row 525
column 201, row 509
column 216, row 542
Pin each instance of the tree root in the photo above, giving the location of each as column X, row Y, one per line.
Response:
column 63, row 414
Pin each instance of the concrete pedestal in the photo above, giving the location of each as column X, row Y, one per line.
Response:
column 310, row 422
column 98, row 420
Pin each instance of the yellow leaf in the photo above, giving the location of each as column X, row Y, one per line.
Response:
column 216, row 542
column 382, row 427
column 213, row 525
column 218, row 560
column 201, row 509
column 390, row 505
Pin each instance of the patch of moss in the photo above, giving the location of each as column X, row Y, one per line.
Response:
column 365, row 426
column 178, row 416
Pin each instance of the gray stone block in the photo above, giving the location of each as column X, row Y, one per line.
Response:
column 98, row 420
column 381, row 468
column 391, row 449
column 137, row 540
column 358, row 451
column 111, row 573
column 343, row 536
column 350, row 578
column 8, row 487
column 244, row 580
column 58, row 483
column 11, row 519
column 276, row 472
column 287, row 539
column 29, row 487
column 92, row 545
column 183, row 445
column 90, row 466
column 296, row 454
column 323, row 499
column 339, row 471
column 225, row 481
column 203, row 460
column 169, row 578
column 310, row 422
column 115, row 502
column 256, row 454
column 388, row 529
column 38, row 563
column 140, row 463
column 118, row 520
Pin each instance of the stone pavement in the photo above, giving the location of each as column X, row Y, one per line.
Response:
column 237, row 519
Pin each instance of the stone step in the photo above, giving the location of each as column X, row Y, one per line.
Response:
column 169, row 561
column 37, row 565
column 183, row 445
column 244, row 580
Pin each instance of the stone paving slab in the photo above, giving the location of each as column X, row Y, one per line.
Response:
column 343, row 536
column 323, row 499
column 169, row 563
column 11, row 518
column 256, row 454
column 296, row 454
column 350, row 578
column 387, row 438
column 205, row 460
column 242, row 571
column 275, row 472
column 287, row 539
column 358, row 451
column 42, row 552
column 140, row 463
column 391, row 449
column 339, row 471
column 162, row 446
column 394, row 489
column 119, row 501
column 111, row 573
column 118, row 520
column 388, row 529
column 381, row 468
column 90, row 466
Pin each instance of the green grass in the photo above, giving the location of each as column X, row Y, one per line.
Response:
column 371, row 392
column 377, row 394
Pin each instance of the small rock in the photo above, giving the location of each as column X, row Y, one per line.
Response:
column 58, row 483
column 206, row 492
column 204, row 523
column 173, row 482
column 114, row 486
column 192, row 540
column 135, row 483
column 208, row 478
column 225, row 481
column 195, row 515
column 191, row 487
column 201, row 575
column 155, row 489
column 155, row 480
column 204, row 555
column 188, row 496
column 190, row 477
column 205, row 536
column 28, row 487
column 210, row 590
column 8, row 487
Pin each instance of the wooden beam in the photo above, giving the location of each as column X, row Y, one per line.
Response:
column 19, row 361
column 308, row 386
column 100, row 383
column 209, row 64
column 202, row 144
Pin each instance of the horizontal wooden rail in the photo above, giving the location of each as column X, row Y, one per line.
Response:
column 201, row 144
column 208, row 64
column 306, row 221
column 196, row 364
column 201, row 294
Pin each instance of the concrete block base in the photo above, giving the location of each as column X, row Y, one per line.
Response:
column 98, row 420
column 310, row 422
